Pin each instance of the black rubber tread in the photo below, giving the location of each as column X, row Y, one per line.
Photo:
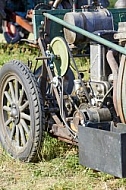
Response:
column 31, row 154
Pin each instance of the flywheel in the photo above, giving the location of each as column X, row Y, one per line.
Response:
column 121, row 90
column 61, row 58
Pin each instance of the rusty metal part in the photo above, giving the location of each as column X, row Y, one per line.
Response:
column 61, row 132
column 114, row 67
column 57, row 120
column 119, row 88
column 73, row 142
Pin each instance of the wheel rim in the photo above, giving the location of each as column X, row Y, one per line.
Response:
column 16, row 112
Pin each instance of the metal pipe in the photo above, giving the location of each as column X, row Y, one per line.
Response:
column 56, row 3
column 114, row 67
column 87, row 34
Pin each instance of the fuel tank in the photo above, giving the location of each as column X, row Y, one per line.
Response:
column 100, row 19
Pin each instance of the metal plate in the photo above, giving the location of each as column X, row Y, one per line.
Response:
column 103, row 150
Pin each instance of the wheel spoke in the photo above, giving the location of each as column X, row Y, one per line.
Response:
column 8, row 97
column 17, row 136
column 21, row 96
column 22, row 134
column 25, row 116
column 25, row 126
column 12, row 91
column 25, row 105
column 6, row 108
column 13, row 131
column 16, row 90
column 8, row 121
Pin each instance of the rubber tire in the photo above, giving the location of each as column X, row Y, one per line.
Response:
column 19, row 34
column 30, row 152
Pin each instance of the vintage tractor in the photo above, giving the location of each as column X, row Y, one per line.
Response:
column 57, row 98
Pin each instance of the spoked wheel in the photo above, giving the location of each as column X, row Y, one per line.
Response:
column 21, row 114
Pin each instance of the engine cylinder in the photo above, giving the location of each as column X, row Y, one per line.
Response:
column 97, row 115
column 90, row 21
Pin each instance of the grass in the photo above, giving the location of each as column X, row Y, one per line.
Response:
column 60, row 173
column 16, row 51
column 112, row 3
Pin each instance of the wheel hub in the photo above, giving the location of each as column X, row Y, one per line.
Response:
column 15, row 113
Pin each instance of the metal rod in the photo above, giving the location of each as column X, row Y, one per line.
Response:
column 87, row 34
column 42, row 58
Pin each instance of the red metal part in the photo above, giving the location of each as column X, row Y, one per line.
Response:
column 20, row 21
